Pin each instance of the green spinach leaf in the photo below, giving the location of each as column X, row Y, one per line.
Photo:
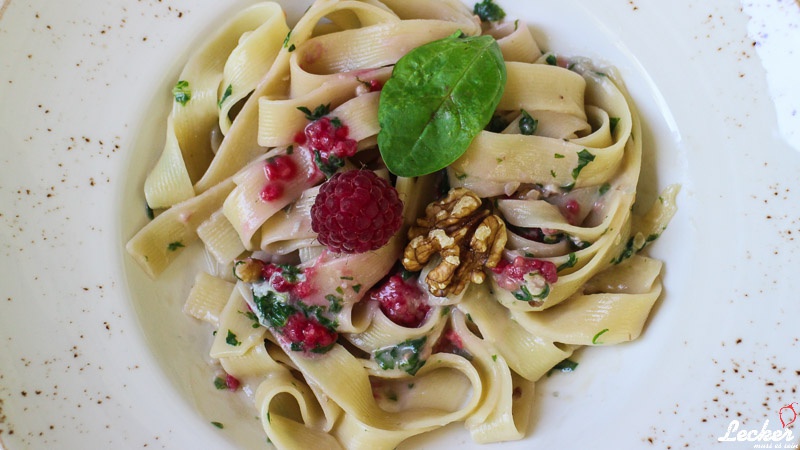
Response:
column 439, row 97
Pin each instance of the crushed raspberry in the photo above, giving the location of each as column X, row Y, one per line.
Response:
column 277, row 279
column 572, row 211
column 450, row 342
column 328, row 138
column 302, row 289
column 403, row 303
column 231, row 382
column 280, row 168
column 272, row 191
column 355, row 212
column 307, row 334
column 522, row 266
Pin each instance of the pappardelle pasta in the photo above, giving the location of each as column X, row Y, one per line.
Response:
column 413, row 211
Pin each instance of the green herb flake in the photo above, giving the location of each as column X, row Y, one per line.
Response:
column 558, row 156
column 494, row 358
column 335, row 303
column 404, row 356
column 553, row 173
column 489, row 11
column 573, row 259
column 220, row 383
column 551, row 60
column 329, row 166
column 614, row 121
column 597, row 336
column 527, row 124
column 286, row 39
column 271, row 310
column 225, row 95
column 604, row 188
column 218, row 425
column 319, row 112
column 173, row 246
column 182, row 92
column 290, row 273
column 292, row 48
column 356, row 288
column 584, row 158
column 439, row 97
column 346, row 278
column 566, row 365
column 231, row 339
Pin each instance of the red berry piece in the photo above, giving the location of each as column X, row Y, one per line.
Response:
column 307, row 334
column 403, row 303
column 355, row 212
column 280, row 168
column 522, row 266
column 272, row 191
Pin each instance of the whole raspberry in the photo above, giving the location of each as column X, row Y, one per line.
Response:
column 355, row 212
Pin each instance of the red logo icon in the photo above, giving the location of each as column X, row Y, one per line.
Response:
column 787, row 414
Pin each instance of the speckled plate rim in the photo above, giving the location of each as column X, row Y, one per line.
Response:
column 87, row 359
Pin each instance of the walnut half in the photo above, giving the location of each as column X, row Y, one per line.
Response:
column 467, row 236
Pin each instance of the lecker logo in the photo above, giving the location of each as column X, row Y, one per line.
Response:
column 789, row 409
column 765, row 437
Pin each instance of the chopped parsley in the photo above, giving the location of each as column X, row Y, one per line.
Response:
column 551, row 60
column 319, row 111
column 488, row 11
column 566, row 365
column 218, row 425
column 225, row 95
column 524, row 294
column 328, row 166
column 182, row 92
column 231, row 339
column 272, row 310
column 597, row 336
column 569, row 263
column 220, row 383
column 404, row 356
column 584, row 158
column 335, row 303
column 172, row 246
column 604, row 188
column 614, row 121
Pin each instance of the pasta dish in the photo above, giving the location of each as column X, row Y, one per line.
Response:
column 414, row 214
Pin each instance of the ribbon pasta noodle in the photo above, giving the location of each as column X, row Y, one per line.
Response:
column 563, row 191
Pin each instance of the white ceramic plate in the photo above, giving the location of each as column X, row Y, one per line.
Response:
column 94, row 355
